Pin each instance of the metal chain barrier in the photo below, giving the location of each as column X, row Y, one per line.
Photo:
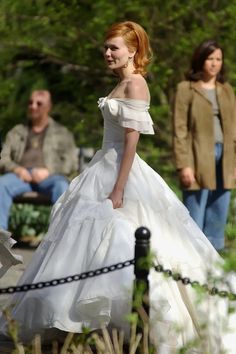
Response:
column 93, row 273
column 69, row 279
column 194, row 283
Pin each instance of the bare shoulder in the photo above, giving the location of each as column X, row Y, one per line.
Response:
column 137, row 88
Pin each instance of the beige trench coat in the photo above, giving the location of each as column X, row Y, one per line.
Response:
column 193, row 133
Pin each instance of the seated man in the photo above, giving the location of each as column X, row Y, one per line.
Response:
column 36, row 156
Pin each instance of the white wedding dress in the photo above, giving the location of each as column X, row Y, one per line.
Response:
column 86, row 233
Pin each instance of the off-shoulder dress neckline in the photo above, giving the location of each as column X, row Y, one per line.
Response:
column 126, row 99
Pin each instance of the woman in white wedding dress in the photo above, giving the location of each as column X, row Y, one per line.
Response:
column 93, row 223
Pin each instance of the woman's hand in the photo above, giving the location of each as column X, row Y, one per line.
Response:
column 116, row 197
column 186, row 177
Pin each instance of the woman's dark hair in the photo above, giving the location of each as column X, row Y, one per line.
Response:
column 200, row 54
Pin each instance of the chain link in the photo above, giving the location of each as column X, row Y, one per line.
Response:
column 194, row 283
column 93, row 273
column 69, row 279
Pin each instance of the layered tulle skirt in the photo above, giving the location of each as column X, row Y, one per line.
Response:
column 86, row 233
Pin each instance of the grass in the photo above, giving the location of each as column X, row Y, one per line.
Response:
column 99, row 342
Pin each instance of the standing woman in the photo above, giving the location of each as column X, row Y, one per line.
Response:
column 93, row 224
column 204, row 141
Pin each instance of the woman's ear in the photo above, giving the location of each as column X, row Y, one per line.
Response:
column 131, row 55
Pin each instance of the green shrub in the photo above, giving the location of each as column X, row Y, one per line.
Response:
column 29, row 220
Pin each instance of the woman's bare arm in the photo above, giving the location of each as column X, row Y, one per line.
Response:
column 136, row 88
column 131, row 140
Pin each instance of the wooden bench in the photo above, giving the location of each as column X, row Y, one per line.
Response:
column 85, row 154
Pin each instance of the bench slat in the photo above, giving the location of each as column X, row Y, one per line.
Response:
column 33, row 198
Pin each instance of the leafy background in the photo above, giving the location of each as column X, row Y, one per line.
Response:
column 58, row 45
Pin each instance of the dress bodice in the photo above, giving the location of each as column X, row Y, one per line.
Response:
column 123, row 113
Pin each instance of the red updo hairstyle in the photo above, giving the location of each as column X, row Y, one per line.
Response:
column 136, row 40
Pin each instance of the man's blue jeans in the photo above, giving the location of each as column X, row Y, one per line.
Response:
column 12, row 186
column 209, row 208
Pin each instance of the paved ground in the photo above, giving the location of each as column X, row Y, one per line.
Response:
column 13, row 274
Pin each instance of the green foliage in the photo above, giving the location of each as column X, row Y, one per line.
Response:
column 28, row 220
column 58, row 45
column 230, row 261
column 40, row 47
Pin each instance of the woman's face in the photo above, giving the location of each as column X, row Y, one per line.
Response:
column 116, row 53
column 213, row 64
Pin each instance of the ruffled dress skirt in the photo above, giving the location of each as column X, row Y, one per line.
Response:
column 86, row 233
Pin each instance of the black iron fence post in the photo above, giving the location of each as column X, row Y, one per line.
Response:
column 141, row 271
